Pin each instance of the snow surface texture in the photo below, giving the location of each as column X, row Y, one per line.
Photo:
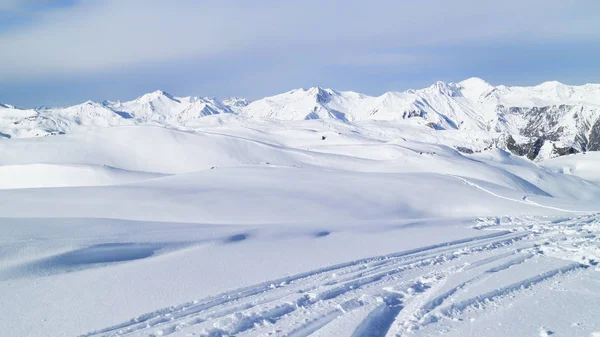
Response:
column 543, row 121
column 250, row 226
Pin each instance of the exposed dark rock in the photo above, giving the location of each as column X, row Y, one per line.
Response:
column 593, row 143
column 434, row 126
column 542, row 121
column 514, row 148
column 531, row 149
column 548, row 124
column 582, row 140
column 563, row 151
column 464, row 149
column 535, row 148
column 413, row 113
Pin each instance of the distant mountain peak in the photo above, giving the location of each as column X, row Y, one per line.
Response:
column 319, row 94
column 316, row 90
column 322, row 95
column 448, row 89
column 474, row 82
column 551, row 84
column 157, row 94
column 474, row 87
column 235, row 101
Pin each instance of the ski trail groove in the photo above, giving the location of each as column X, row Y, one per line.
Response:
column 527, row 202
column 388, row 295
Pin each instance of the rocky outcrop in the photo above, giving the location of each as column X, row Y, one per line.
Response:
column 563, row 151
column 464, row 150
column 570, row 128
column 593, row 143
column 530, row 149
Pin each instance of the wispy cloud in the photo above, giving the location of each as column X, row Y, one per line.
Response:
column 99, row 35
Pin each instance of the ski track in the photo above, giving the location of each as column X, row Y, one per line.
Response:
column 389, row 295
column 527, row 201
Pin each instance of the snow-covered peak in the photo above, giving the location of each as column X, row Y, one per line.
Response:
column 91, row 103
column 313, row 93
column 551, row 85
column 155, row 95
column 90, row 112
column 554, row 90
column 321, row 95
column 474, row 82
column 545, row 94
column 299, row 104
column 235, row 101
column 443, row 88
column 235, row 104
column 473, row 88
column 319, row 90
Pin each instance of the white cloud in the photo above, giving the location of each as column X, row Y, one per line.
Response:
column 99, row 35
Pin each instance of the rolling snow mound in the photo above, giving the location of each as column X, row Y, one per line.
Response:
column 52, row 175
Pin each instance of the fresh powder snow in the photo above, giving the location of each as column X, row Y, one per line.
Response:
column 461, row 209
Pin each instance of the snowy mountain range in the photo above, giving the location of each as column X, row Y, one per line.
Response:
column 547, row 120
column 313, row 212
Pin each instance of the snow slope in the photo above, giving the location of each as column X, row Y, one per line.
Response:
column 427, row 291
column 253, row 226
column 585, row 166
column 49, row 175
column 168, row 151
column 427, row 278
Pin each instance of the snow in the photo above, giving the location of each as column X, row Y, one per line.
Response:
column 144, row 222
column 585, row 166
column 469, row 106
column 48, row 175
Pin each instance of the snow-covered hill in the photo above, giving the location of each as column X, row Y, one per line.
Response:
column 313, row 212
column 543, row 121
column 49, row 175
column 136, row 230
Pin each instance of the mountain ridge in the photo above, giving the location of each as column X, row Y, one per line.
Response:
column 562, row 118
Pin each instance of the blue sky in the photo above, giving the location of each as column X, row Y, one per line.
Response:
column 61, row 52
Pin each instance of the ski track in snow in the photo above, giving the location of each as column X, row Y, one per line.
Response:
column 525, row 201
column 391, row 295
